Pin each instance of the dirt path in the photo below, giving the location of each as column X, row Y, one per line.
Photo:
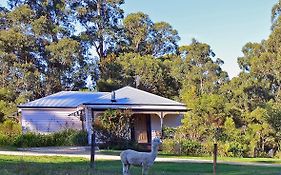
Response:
column 85, row 153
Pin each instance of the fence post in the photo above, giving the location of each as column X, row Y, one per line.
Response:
column 93, row 149
column 215, row 158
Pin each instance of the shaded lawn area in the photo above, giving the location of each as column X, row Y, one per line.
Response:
column 55, row 165
column 226, row 159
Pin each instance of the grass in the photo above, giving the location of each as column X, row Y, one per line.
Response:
column 224, row 159
column 46, row 165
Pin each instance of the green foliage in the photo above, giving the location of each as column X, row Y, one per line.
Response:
column 102, row 23
column 9, row 131
column 62, row 138
column 168, row 132
column 114, row 129
column 148, row 38
column 39, row 48
column 153, row 74
column 10, row 128
column 182, row 147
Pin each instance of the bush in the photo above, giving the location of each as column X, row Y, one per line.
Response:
column 169, row 146
column 33, row 140
column 113, row 129
column 189, row 147
column 9, row 130
column 62, row 138
column 5, row 140
column 169, row 132
column 79, row 138
column 238, row 149
column 182, row 147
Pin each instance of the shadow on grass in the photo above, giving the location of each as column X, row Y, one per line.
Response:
column 8, row 167
column 109, row 152
column 267, row 161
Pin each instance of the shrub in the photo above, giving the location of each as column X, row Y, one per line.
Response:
column 169, row 132
column 228, row 149
column 5, row 140
column 62, row 138
column 238, row 149
column 169, row 146
column 113, row 128
column 9, row 130
column 189, row 147
column 33, row 140
column 182, row 147
column 79, row 138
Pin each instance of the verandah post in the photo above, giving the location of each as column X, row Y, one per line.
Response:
column 93, row 141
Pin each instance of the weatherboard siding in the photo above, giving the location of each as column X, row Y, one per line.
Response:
column 49, row 120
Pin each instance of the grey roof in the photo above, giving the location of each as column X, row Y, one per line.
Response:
column 64, row 99
column 126, row 97
column 129, row 95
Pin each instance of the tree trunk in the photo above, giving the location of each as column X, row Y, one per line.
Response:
column 100, row 9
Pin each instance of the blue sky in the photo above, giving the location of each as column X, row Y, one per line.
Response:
column 225, row 25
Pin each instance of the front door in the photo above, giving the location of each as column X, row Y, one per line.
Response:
column 142, row 128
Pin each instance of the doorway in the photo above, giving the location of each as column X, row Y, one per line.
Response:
column 142, row 128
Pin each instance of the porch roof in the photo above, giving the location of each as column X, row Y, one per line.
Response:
column 148, row 108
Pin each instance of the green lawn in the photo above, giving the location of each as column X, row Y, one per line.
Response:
column 28, row 165
column 225, row 159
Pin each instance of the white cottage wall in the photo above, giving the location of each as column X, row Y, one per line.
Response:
column 49, row 120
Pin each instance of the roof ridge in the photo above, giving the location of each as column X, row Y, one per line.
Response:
column 101, row 98
column 150, row 94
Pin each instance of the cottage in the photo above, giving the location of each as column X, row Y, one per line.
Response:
column 72, row 109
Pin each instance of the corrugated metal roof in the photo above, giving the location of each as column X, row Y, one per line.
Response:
column 64, row 99
column 129, row 95
column 126, row 97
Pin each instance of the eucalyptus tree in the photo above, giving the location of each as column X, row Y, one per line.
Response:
column 39, row 37
column 144, row 72
column 138, row 28
column 144, row 36
column 202, row 70
column 101, row 24
column 201, row 77
column 165, row 39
